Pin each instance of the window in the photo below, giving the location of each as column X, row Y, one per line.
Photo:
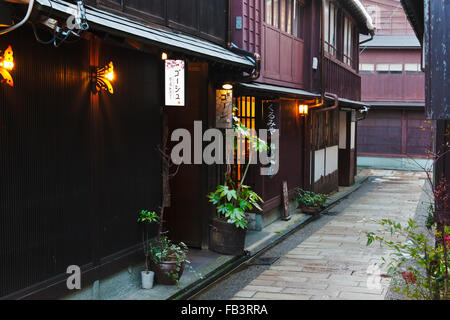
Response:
column 298, row 20
column 396, row 68
column 331, row 14
column 275, row 13
column 393, row 68
column 285, row 15
column 269, row 12
column 348, row 41
column 289, row 16
column 413, row 68
column 366, row 68
column 246, row 112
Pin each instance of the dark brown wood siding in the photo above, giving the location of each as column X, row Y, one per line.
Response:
column 75, row 168
column 206, row 19
column 325, row 129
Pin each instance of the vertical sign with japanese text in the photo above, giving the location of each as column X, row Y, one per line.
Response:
column 175, row 83
column 271, row 113
column 271, row 118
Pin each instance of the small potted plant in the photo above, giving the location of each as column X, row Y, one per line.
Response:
column 310, row 202
column 147, row 276
column 168, row 260
column 165, row 258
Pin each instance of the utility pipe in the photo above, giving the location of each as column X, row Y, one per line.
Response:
column 372, row 34
column 17, row 25
column 334, row 106
column 256, row 58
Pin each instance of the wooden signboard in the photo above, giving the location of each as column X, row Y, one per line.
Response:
column 286, row 214
column 224, row 109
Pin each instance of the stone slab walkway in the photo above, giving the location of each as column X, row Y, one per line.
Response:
column 335, row 262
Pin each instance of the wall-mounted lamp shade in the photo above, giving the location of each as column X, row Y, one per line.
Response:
column 164, row 56
column 6, row 65
column 303, row 109
column 102, row 77
column 227, row 86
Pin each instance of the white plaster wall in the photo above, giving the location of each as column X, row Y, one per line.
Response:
column 331, row 159
column 352, row 135
column 342, row 130
column 319, row 164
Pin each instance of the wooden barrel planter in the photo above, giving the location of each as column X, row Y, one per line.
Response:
column 226, row 238
column 161, row 269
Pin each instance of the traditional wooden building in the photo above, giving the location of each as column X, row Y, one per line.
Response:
column 309, row 56
column 77, row 164
column 396, row 133
column 430, row 21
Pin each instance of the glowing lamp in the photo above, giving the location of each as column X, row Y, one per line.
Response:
column 6, row 65
column 227, row 86
column 303, row 109
column 164, row 56
column 101, row 78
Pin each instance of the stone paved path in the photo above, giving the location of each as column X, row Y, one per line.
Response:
column 335, row 262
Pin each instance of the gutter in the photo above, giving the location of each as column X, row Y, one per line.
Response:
column 318, row 108
column 256, row 59
column 372, row 35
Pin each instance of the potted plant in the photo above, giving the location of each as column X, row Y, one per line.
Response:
column 165, row 258
column 168, row 260
column 310, row 202
column 147, row 276
column 232, row 200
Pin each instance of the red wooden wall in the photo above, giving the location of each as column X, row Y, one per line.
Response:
column 283, row 55
column 405, row 87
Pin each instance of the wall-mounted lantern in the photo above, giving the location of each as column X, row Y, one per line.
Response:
column 101, row 78
column 6, row 65
column 303, row 110
column 164, row 56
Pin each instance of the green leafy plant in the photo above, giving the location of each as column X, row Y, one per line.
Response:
column 233, row 200
column 309, row 198
column 147, row 217
column 425, row 277
column 166, row 250
column 162, row 248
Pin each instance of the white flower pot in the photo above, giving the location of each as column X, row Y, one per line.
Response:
column 147, row 278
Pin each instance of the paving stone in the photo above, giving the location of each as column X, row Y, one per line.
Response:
column 260, row 282
column 280, row 296
column 335, row 262
column 245, row 294
column 262, row 288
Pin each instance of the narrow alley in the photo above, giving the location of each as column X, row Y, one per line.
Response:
column 329, row 259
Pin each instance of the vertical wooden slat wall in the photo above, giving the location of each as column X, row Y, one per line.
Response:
column 75, row 168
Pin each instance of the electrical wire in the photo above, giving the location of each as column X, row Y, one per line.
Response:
column 59, row 35
column 381, row 28
column 38, row 39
